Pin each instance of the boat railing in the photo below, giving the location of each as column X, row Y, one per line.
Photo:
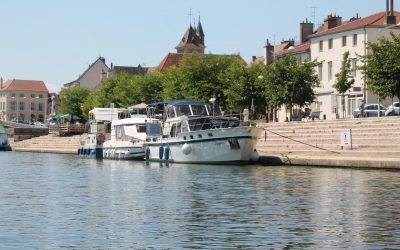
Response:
column 198, row 123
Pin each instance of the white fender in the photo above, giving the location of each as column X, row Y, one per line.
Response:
column 254, row 156
column 186, row 149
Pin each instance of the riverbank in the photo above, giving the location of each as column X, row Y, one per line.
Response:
column 306, row 143
column 374, row 143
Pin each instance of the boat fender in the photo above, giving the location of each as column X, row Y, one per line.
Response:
column 186, row 149
column 254, row 157
column 161, row 152
column 147, row 153
column 100, row 138
column 167, row 153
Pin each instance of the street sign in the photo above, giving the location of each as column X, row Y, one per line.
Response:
column 345, row 138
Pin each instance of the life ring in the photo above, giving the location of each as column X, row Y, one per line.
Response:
column 100, row 138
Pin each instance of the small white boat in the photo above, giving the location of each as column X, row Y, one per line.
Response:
column 127, row 138
column 192, row 135
column 91, row 143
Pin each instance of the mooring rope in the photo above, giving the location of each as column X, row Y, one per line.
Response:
column 286, row 137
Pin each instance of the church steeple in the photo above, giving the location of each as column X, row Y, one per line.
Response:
column 192, row 40
column 199, row 32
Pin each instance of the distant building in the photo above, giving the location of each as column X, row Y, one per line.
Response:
column 26, row 99
column 92, row 76
column 191, row 42
column 139, row 70
column 328, row 45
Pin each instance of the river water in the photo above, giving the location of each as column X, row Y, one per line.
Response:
column 51, row 201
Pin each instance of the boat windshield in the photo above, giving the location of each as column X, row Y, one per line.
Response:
column 200, row 110
column 182, row 110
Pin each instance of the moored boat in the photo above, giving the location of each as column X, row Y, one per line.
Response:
column 194, row 133
column 4, row 145
column 127, row 140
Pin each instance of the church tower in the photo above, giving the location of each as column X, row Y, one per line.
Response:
column 192, row 41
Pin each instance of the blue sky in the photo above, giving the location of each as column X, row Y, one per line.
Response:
column 55, row 41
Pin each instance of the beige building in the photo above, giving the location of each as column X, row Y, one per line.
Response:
column 329, row 44
column 92, row 76
column 26, row 99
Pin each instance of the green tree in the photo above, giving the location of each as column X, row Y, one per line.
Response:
column 291, row 82
column 344, row 78
column 71, row 100
column 381, row 67
column 201, row 76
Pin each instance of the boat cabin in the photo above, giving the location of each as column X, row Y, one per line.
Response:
column 183, row 116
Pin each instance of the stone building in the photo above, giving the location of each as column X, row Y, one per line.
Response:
column 25, row 99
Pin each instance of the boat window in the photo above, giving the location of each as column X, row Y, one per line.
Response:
column 182, row 110
column 173, row 130
column 199, row 110
column 153, row 129
column 184, row 138
column 191, row 137
column 210, row 134
column 170, row 112
column 200, row 136
column 141, row 128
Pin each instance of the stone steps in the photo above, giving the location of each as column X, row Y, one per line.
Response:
column 372, row 138
column 48, row 144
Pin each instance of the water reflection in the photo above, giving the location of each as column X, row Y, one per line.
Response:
column 60, row 201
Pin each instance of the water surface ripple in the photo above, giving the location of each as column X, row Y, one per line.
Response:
column 50, row 201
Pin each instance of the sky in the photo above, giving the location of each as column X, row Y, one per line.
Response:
column 56, row 40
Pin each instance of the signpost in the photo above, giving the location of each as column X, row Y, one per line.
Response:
column 345, row 138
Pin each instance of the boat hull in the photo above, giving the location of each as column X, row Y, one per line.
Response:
column 135, row 152
column 214, row 146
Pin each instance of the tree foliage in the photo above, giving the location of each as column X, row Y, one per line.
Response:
column 227, row 78
column 344, row 78
column 71, row 100
column 382, row 66
column 291, row 82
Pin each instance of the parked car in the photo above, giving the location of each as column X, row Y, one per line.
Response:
column 19, row 120
column 370, row 110
column 393, row 109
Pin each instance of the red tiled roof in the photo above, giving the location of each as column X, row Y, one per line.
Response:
column 280, row 47
column 375, row 20
column 304, row 47
column 171, row 59
column 25, row 85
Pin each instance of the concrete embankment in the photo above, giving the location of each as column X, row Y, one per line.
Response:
column 375, row 143
column 48, row 144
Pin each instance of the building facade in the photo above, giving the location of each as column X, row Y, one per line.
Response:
column 23, row 99
column 92, row 76
column 328, row 45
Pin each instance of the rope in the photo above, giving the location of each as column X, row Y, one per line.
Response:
column 324, row 149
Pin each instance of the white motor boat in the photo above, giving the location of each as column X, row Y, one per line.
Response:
column 127, row 140
column 191, row 134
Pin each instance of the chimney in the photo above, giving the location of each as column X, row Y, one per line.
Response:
column 1, row 83
column 306, row 29
column 268, row 53
column 390, row 18
column 332, row 22
column 253, row 59
column 355, row 18
column 102, row 59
